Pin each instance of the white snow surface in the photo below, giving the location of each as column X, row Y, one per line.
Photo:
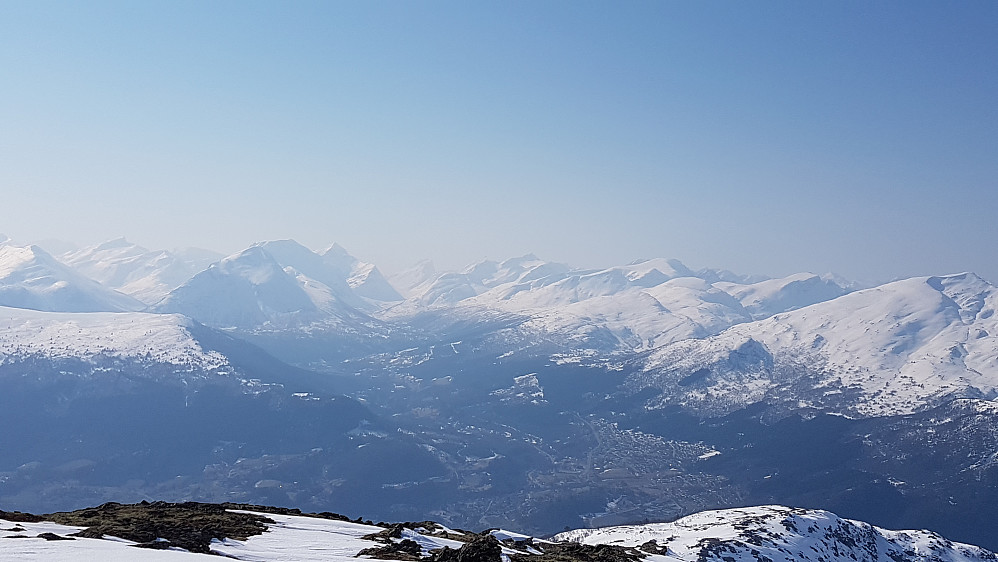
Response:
column 901, row 347
column 31, row 547
column 243, row 290
column 131, row 269
column 308, row 539
column 162, row 338
column 772, row 296
column 365, row 279
column 407, row 281
column 639, row 306
column 301, row 539
column 279, row 285
column 780, row 534
column 31, row 278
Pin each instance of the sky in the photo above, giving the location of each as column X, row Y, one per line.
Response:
column 855, row 137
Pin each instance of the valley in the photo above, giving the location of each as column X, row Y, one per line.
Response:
column 522, row 395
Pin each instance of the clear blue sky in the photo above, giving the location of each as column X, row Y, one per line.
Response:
column 764, row 137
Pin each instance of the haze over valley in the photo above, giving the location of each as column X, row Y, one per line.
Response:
column 521, row 394
column 499, row 281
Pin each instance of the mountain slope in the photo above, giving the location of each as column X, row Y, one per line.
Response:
column 624, row 308
column 90, row 337
column 627, row 308
column 888, row 350
column 31, row 278
column 247, row 532
column 779, row 534
column 772, row 296
column 112, row 405
column 281, row 285
column 365, row 279
column 131, row 269
column 245, row 290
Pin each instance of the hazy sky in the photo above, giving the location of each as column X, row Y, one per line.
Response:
column 763, row 137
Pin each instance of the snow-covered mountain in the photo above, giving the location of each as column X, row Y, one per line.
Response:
column 131, row 269
column 245, row 290
column 31, row 278
column 515, row 386
column 774, row 533
column 888, row 350
column 365, row 279
column 113, row 405
column 778, row 534
column 449, row 288
column 355, row 283
column 766, row 298
column 634, row 307
column 134, row 336
column 406, row 281
column 282, row 285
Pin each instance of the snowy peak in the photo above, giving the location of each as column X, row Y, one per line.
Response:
column 133, row 270
column 364, row 279
column 512, row 268
column 96, row 336
column 968, row 292
column 446, row 289
column 520, row 263
column 888, row 350
column 255, row 264
column 367, row 281
column 482, row 272
column 291, row 253
column 508, row 277
column 632, row 307
column 119, row 243
column 245, row 290
column 277, row 284
column 345, row 275
column 31, row 278
column 337, row 256
column 648, row 273
column 778, row 534
column 407, row 280
column 336, row 251
column 712, row 275
column 117, row 248
column 772, row 296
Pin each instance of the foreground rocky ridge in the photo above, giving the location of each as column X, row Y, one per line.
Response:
column 175, row 531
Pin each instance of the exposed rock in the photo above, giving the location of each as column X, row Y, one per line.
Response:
column 652, row 547
column 578, row 552
column 156, row 545
column 190, row 525
column 482, row 548
column 291, row 511
column 54, row 537
column 18, row 517
column 406, row 549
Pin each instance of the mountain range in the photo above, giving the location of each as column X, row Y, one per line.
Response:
column 524, row 393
